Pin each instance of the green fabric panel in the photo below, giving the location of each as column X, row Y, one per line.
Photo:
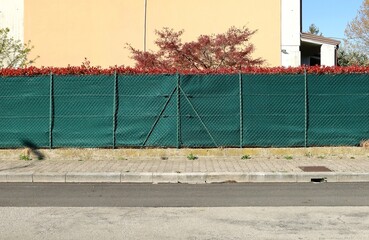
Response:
column 142, row 98
column 83, row 115
column 339, row 109
column 273, row 110
column 24, row 117
column 215, row 99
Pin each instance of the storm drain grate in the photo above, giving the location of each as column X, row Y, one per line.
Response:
column 315, row 169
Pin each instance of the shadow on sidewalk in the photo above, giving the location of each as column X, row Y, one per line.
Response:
column 17, row 167
column 33, row 147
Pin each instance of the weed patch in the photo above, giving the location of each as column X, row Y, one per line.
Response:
column 191, row 157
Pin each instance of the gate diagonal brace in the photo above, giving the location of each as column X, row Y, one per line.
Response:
column 158, row 118
column 198, row 116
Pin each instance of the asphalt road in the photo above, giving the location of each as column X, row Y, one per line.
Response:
column 84, row 223
column 181, row 211
column 183, row 195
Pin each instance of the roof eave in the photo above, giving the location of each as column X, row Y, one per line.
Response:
column 315, row 39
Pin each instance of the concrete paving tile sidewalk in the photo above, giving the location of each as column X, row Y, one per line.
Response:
column 180, row 169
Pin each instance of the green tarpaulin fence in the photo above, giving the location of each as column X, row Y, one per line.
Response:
column 236, row 110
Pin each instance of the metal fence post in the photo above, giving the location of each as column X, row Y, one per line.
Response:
column 51, row 111
column 306, row 110
column 178, row 112
column 115, row 108
column 241, row 109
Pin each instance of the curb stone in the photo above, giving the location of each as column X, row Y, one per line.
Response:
column 165, row 177
column 317, row 176
column 3, row 176
column 190, row 178
column 352, row 177
column 272, row 177
column 52, row 177
column 127, row 177
column 20, row 177
column 223, row 177
column 107, row 177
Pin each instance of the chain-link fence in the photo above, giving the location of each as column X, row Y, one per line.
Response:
column 236, row 110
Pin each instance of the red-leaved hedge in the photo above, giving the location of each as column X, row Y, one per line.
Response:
column 83, row 70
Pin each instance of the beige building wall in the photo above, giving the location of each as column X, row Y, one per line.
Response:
column 66, row 31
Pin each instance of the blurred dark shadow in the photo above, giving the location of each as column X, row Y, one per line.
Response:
column 34, row 149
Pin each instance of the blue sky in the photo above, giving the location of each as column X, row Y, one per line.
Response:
column 330, row 16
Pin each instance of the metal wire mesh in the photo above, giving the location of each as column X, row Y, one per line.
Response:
column 24, row 111
column 83, row 111
column 273, row 110
column 237, row 110
column 147, row 110
column 210, row 110
column 338, row 109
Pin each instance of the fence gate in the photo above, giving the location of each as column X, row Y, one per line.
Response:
column 209, row 110
column 147, row 110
